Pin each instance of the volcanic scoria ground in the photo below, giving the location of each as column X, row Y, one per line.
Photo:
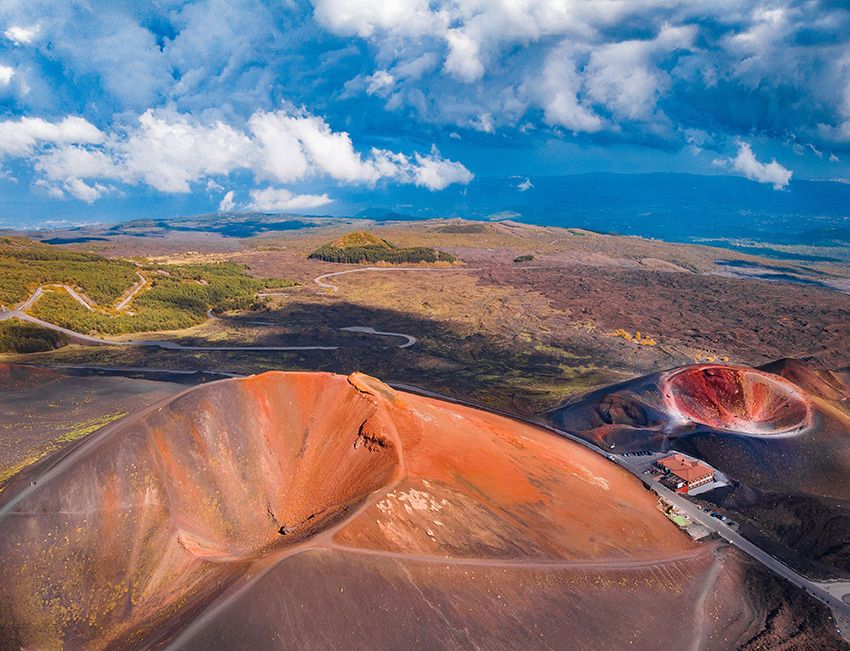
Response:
column 310, row 510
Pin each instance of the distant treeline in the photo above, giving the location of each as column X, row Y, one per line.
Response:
column 19, row 337
column 358, row 254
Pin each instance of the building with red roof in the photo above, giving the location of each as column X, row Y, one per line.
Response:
column 685, row 473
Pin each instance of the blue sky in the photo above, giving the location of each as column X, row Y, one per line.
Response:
column 109, row 108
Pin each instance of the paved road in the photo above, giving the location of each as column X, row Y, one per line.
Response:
column 150, row 343
column 19, row 313
column 371, row 331
column 840, row 609
column 27, row 304
column 142, row 282
column 731, row 536
column 76, row 296
column 38, row 293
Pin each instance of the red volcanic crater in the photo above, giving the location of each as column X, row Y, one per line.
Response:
column 737, row 399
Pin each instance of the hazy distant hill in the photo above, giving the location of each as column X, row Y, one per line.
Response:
column 677, row 207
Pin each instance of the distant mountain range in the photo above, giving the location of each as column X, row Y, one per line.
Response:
column 673, row 207
column 676, row 207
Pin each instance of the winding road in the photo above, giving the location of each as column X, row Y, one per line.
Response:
column 149, row 343
column 20, row 313
column 410, row 340
column 828, row 593
column 38, row 293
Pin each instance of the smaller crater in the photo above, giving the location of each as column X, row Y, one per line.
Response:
column 737, row 399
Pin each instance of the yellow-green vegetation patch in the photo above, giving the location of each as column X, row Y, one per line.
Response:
column 177, row 297
column 25, row 265
column 19, row 337
column 78, row 431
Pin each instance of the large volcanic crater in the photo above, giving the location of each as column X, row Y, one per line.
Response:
column 157, row 523
column 736, row 399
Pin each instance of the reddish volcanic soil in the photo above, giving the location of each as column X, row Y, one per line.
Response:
column 780, row 433
column 737, row 399
column 305, row 510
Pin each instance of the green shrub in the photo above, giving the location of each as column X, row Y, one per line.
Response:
column 330, row 253
column 19, row 337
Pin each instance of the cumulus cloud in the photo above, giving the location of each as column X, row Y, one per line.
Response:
column 6, row 74
column 435, row 172
column 557, row 91
column 598, row 72
column 227, row 203
column 746, row 164
column 170, row 152
column 19, row 137
column 625, row 77
column 463, row 60
column 579, row 64
column 281, row 199
column 294, row 142
column 21, row 35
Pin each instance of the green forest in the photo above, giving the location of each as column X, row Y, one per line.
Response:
column 25, row 265
column 177, row 295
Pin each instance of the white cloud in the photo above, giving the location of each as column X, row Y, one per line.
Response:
column 747, row 164
column 281, row 199
column 51, row 190
column 379, row 83
column 227, row 203
column 366, row 17
column 557, row 90
column 833, row 158
column 294, row 143
column 436, row 173
column 624, row 76
column 463, row 60
column 525, row 185
column 170, row 151
column 6, row 74
column 484, row 123
column 83, row 191
column 19, row 137
column 22, row 35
